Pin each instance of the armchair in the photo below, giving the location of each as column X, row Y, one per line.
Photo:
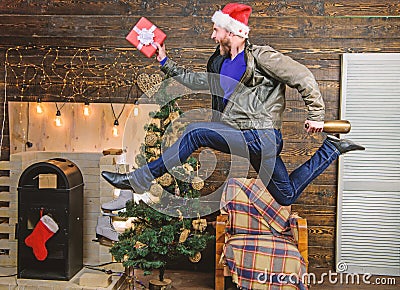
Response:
column 257, row 239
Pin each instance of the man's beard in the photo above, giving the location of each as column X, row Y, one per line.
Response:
column 225, row 46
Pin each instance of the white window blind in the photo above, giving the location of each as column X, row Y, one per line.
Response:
column 368, row 227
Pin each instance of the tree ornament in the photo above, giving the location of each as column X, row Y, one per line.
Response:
column 151, row 139
column 166, row 179
column 149, row 84
column 139, row 245
column 156, row 190
column 184, row 235
column 197, row 183
column 196, row 258
column 199, row 224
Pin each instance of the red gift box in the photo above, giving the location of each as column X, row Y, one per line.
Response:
column 144, row 34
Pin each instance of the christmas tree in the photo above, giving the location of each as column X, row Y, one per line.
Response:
column 164, row 229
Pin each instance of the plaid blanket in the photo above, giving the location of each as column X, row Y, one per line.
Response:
column 261, row 251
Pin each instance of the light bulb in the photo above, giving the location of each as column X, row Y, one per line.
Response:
column 58, row 119
column 86, row 109
column 39, row 108
column 136, row 110
column 115, row 129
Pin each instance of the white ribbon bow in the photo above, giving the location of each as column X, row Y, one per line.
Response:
column 145, row 36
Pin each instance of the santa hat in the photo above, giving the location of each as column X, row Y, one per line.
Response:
column 234, row 17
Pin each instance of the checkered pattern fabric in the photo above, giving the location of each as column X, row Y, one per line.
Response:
column 261, row 251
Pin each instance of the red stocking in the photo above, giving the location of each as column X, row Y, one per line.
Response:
column 44, row 230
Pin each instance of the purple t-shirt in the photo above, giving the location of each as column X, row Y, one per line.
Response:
column 233, row 70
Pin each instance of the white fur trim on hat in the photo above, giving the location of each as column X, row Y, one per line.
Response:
column 49, row 223
column 225, row 21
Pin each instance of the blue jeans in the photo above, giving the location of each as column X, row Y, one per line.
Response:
column 261, row 147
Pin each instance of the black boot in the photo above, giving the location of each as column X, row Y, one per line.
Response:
column 344, row 145
column 118, row 180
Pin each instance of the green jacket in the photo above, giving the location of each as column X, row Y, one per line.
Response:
column 258, row 101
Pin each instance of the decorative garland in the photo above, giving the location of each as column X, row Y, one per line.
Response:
column 70, row 73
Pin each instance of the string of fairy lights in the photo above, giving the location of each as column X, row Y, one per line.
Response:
column 71, row 74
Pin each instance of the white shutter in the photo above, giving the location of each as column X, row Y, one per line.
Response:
column 368, row 227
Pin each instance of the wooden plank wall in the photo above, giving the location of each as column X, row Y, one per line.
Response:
column 314, row 32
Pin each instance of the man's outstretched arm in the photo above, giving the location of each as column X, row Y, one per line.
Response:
column 191, row 79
